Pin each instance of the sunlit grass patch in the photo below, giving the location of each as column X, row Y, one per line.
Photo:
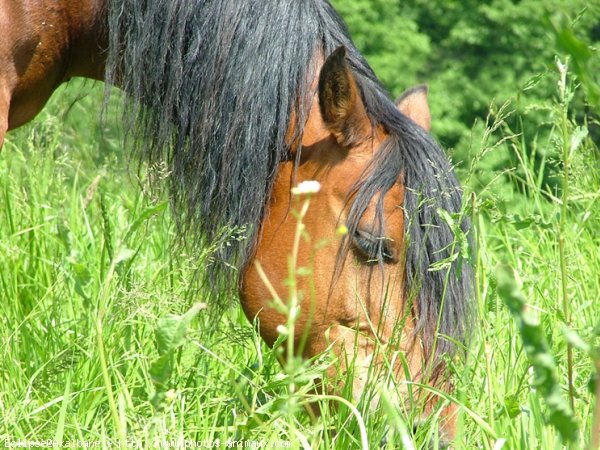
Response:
column 88, row 277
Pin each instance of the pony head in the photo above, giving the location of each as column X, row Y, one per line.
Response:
column 351, row 243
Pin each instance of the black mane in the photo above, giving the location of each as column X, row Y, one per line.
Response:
column 214, row 86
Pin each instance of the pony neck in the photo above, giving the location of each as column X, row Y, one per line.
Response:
column 87, row 38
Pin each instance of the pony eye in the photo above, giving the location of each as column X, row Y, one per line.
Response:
column 373, row 247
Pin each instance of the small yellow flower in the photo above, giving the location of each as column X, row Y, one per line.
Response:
column 342, row 230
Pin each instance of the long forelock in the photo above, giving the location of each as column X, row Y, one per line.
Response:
column 212, row 87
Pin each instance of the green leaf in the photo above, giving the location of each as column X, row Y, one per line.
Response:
column 545, row 378
column 533, row 81
column 170, row 335
column 171, row 330
column 591, row 384
column 569, row 43
column 123, row 255
column 510, row 406
column 579, row 134
column 581, row 55
column 576, row 341
column 146, row 214
column 160, row 370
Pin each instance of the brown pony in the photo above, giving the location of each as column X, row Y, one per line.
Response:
column 244, row 108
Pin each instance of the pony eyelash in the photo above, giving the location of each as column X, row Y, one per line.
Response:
column 374, row 247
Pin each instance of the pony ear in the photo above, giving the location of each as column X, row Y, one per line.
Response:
column 413, row 104
column 340, row 101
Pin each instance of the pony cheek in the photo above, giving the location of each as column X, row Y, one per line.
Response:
column 257, row 300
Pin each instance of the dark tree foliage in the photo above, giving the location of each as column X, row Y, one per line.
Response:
column 472, row 54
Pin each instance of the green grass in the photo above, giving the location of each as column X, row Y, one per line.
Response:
column 87, row 276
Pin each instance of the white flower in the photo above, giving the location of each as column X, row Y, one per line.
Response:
column 307, row 187
column 171, row 395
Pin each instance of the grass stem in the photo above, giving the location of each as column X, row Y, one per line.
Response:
column 564, row 275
